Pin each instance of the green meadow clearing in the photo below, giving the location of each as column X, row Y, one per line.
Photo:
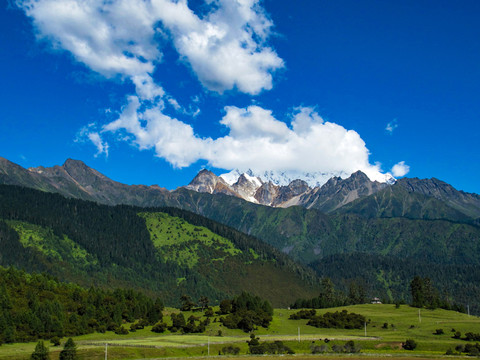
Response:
column 380, row 341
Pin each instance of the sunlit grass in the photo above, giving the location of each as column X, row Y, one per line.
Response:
column 379, row 341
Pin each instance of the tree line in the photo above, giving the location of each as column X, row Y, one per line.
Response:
column 38, row 306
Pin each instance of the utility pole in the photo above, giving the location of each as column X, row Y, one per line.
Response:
column 208, row 346
column 106, row 350
column 365, row 329
column 299, row 334
column 468, row 310
column 419, row 316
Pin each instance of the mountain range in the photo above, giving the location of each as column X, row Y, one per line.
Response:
column 75, row 179
column 423, row 224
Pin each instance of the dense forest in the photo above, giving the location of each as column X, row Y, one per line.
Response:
column 36, row 306
column 39, row 306
column 111, row 246
column 389, row 277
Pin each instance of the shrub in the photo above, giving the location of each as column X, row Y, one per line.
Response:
column 121, row 331
column 410, row 344
column 322, row 349
column 450, row 352
column 303, row 314
column 159, row 327
column 55, row 341
column 230, row 350
column 102, row 329
column 276, row 347
column 438, row 332
column 348, row 348
column 338, row 320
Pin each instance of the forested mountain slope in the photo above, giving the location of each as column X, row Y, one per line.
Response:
column 424, row 222
column 167, row 252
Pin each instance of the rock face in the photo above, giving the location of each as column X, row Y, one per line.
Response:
column 338, row 192
column 465, row 202
column 335, row 193
column 77, row 180
column 208, row 182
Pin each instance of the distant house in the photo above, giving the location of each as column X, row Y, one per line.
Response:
column 376, row 300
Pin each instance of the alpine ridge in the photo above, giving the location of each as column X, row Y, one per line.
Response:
column 335, row 193
column 77, row 180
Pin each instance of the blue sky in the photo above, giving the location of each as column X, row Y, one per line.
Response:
column 151, row 92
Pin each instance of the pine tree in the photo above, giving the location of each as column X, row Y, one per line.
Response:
column 69, row 351
column 41, row 352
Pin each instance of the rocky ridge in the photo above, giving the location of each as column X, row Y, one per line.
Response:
column 335, row 193
column 75, row 179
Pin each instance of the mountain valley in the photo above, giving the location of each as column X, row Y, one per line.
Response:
column 350, row 223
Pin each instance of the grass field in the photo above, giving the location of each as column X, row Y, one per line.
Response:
column 380, row 341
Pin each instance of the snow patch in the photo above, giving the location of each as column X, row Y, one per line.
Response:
column 284, row 178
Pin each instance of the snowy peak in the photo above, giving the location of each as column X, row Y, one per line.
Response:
column 279, row 189
column 207, row 181
column 246, row 187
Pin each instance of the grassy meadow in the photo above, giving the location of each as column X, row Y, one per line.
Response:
column 380, row 340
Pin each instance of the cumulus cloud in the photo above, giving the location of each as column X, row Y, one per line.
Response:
column 226, row 48
column 392, row 125
column 256, row 140
column 400, row 169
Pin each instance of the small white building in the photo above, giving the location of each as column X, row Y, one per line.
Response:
column 376, row 300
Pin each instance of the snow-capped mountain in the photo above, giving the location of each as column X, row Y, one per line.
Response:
column 283, row 178
column 284, row 189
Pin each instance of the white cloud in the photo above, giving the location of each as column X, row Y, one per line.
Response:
column 225, row 49
column 400, row 169
column 89, row 133
column 256, row 140
column 102, row 147
column 392, row 125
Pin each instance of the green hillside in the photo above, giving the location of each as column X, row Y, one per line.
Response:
column 166, row 252
column 185, row 244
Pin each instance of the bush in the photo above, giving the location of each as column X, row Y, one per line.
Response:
column 348, row 348
column 230, row 350
column 410, row 344
column 159, row 327
column 322, row 349
column 55, row 341
column 102, row 329
column 472, row 350
column 121, row 331
column 338, row 320
column 472, row 336
column 276, row 347
column 303, row 314
column 439, row 332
